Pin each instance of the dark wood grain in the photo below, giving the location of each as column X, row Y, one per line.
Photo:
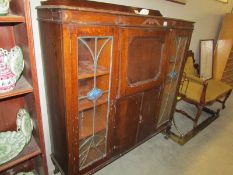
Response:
column 12, row 19
column 126, row 122
column 150, row 108
column 141, row 55
column 19, row 8
column 25, row 166
column 143, row 58
column 7, row 40
column 8, row 112
column 54, row 77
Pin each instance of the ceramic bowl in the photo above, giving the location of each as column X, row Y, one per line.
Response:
column 26, row 173
column 11, row 144
column 24, row 124
column 11, row 67
column 4, row 7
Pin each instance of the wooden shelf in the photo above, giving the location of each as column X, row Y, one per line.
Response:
column 16, row 28
column 86, row 130
column 22, row 87
column 86, row 70
column 10, row 18
column 30, row 151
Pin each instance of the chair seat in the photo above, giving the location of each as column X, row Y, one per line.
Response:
column 215, row 89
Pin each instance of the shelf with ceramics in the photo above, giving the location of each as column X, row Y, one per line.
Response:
column 30, row 151
column 12, row 18
column 6, row 15
column 22, row 87
column 26, row 173
column 11, row 68
column 19, row 90
column 18, row 146
column 4, row 7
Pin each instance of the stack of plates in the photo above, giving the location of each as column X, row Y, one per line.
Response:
column 12, row 142
column 4, row 7
column 24, row 173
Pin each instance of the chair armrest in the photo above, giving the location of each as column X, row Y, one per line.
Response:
column 196, row 79
column 196, row 83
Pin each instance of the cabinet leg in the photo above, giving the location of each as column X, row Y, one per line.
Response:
column 56, row 170
column 166, row 132
column 56, row 165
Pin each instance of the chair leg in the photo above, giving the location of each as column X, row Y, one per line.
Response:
column 199, row 111
column 225, row 99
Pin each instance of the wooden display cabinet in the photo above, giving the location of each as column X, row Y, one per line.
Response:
column 16, row 29
column 112, row 77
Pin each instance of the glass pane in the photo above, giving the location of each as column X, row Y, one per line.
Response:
column 178, row 51
column 94, row 81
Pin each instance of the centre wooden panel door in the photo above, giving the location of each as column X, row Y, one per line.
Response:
column 143, row 56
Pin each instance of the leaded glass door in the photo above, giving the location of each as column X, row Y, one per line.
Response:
column 178, row 50
column 94, row 93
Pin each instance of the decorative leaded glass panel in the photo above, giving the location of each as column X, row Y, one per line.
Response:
column 94, row 84
column 172, row 78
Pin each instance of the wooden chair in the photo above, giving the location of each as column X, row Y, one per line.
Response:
column 201, row 93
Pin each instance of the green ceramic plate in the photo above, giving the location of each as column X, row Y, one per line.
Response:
column 4, row 7
column 24, row 124
column 24, row 173
column 11, row 144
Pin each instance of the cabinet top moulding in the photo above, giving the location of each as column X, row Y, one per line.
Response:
column 79, row 11
column 95, row 6
column 12, row 19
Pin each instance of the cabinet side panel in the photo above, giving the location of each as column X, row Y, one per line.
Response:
column 51, row 39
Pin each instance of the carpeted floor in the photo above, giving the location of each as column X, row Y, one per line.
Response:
column 208, row 153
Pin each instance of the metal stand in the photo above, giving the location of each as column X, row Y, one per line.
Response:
column 182, row 138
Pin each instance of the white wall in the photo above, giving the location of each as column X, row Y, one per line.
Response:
column 206, row 13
